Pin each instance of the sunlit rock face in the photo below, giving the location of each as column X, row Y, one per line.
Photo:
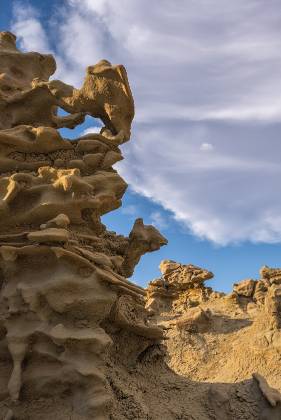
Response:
column 63, row 274
column 76, row 339
column 24, row 79
column 240, row 332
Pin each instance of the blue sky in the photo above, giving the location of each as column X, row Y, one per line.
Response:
column 203, row 163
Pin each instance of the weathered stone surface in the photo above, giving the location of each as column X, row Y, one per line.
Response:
column 245, row 288
column 61, row 273
column 196, row 320
column 221, row 338
column 105, row 93
column 48, row 235
column 76, row 341
column 272, row 395
column 142, row 239
column 273, row 275
column 61, row 221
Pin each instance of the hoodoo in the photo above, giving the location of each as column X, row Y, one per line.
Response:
column 78, row 340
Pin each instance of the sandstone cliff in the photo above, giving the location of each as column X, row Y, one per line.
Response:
column 76, row 340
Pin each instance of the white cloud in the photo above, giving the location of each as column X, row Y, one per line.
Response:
column 29, row 29
column 205, row 77
column 158, row 220
column 206, row 147
column 225, row 196
column 130, row 210
column 89, row 130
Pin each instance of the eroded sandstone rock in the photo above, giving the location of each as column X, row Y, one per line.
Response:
column 105, row 93
column 63, row 275
column 221, row 338
column 272, row 395
column 181, row 286
column 273, row 275
column 76, row 341
column 245, row 288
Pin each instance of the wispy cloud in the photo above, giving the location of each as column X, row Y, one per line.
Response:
column 207, row 85
column 159, row 220
column 29, row 29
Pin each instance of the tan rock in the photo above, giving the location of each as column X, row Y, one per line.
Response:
column 195, row 320
column 260, row 291
column 245, row 288
column 133, row 317
column 49, row 235
column 66, row 272
column 9, row 415
column 271, row 274
column 142, row 239
column 218, row 338
column 272, row 395
column 273, row 305
column 76, row 340
column 27, row 81
column 183, row 284
column 60, row 221
column 167, row 266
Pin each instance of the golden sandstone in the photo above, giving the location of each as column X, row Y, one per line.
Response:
column 78, row 340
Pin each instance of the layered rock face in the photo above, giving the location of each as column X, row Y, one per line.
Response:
column 76, row 340
column 62, row 273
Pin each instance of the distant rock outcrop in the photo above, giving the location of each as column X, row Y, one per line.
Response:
column 215, row 337
column 76, row 340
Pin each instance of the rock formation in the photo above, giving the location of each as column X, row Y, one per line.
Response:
column 76, row 341
column 215, row 337
column 62, row 273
